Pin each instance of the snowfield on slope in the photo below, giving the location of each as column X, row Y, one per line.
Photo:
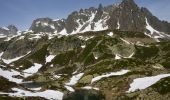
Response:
column 74, row 79
column 49, row 58
column 9, row 74
column 8, row 61
column 145, row 82
column 122, row 72
column 32, row 70
column 69, row 88
column 118, row 56
column 154, row 33
column 48, row 94
column 89, row 88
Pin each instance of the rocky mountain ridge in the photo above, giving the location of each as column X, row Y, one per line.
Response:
column 125, row 16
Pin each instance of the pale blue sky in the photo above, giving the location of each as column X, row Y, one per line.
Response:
column 22, row 12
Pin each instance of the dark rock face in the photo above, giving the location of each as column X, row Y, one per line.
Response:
column 99, row 13
column 59, row 25
column 127, row 14
column 5, row 85
column 71, row 24
column 42, row 25
column 76, row 19
column 4, row 31
column 18, row 48
column 84, row 95
column 162, row 26
column 13, row 29
column 10, row 30
column 64, row 44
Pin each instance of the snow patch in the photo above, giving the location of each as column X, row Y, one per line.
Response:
column 110, row 34
column 9, row 75
column 74, row 79
column 143, row 83
column 78, row 28
column 50, row 58
column 89, row 88
column 154, row 33
column 130, row 56
column 89, row 38
column 122, row 72
column 48, row 94
column 100, row 25
column 28, row 31
column 150, row 28
column 36, row 36
column 75, row 71
column 127, row 42
column 32, row 70
column 1, row 55
column 35, row 89
column 138, row 43
column 88, row 28
column 55, row 20
column 96, row 57
column 69, row 88
column 57, row 76
column 118, row 25
column 52, row 26
column 5, row 28
column 117, row 56
column 83, row 46
column 21, row 37
column 63, row 32
column 2, row 36
column 8, row 61
column 44, row 24
column 158, row 66
column 19, row 32
column 88, row 23
column 10, row 37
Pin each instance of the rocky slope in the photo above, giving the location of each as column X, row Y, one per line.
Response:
column 97, row 65
column 108, row 57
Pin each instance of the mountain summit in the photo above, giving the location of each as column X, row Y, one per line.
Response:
column 10, row 30
column 124, row 16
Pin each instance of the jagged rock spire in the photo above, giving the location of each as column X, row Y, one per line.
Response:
column 129, row 3
column 12, row 28
column 100, row 7
column 99, row 13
